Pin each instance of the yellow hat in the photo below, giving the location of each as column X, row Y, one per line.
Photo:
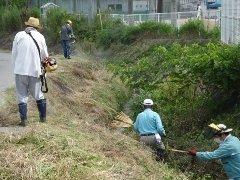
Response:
column 33, row 22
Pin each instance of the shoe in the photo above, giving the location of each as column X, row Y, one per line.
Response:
column 69, row 57
column 42, row 106
column 23, row 114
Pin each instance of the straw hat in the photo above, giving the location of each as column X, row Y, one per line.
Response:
column 33, row 22
column 220, row 128
column 69, row 22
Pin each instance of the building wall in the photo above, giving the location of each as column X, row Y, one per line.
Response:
column 90, row 6
column 230, row 21
column 114, row 6
column 169, row 6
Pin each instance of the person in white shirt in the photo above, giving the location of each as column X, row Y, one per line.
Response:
column 27, row 68
column 199, row 13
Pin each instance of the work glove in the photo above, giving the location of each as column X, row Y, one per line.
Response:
column 192, row 152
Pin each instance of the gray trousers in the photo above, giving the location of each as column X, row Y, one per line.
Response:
column 26, row 85
column 156, row 145
column 152, row 142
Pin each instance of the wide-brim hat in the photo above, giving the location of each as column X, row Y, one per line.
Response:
column 33, row 22
column 220, row 128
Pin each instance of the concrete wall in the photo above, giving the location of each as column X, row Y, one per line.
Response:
column 170, row 5
column 90, row 6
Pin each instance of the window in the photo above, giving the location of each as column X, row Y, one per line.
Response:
column 115, row 8
column 119, row 7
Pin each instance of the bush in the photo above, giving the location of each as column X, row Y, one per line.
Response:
column 17, row 3
column 193, row 28
column 215, row 34
column 82, row 29
column 34, row 12
column 155, row 28
column 11, row 19
column 54, row 21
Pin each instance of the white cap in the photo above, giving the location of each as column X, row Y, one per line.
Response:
column 148, row 102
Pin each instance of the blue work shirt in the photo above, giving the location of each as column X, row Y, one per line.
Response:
column 148, row 122
column 229, row 154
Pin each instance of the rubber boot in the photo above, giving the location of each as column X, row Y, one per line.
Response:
column 42, row 107
column 23, row 114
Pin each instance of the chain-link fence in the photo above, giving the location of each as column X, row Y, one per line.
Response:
column 230, row 23
column 176, row 18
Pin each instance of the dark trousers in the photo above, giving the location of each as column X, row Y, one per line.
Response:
column 66, row 48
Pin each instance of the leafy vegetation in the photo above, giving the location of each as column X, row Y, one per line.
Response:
column 192, row 85
column 10, row 19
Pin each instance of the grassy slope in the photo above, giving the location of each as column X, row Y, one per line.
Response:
column 76, row 142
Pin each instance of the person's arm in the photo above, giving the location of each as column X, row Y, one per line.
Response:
column 135, row 125
column 70, row 32
column 159, row 125
column 221, row 152
column 14, row 48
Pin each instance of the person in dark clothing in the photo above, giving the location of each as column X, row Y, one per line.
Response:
column 66, row 37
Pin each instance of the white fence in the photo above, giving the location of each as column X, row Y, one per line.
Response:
column 175, row 18
column 230, row 27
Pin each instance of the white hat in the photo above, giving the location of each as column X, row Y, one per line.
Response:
column 33, row 22
column 148, row 102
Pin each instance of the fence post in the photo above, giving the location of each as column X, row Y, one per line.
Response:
column 178, row 20
column 140, row 17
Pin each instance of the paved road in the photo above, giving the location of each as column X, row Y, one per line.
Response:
column 6, row 70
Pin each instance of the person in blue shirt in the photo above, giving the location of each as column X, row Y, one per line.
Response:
column 150, row 128
column 228, row 151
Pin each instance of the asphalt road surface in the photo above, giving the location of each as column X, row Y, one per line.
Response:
column 6, row 70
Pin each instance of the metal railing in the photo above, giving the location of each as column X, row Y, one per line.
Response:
column 175, row 18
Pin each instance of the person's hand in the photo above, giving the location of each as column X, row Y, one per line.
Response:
column 192, row 152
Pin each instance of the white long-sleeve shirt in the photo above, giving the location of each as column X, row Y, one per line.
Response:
column 25, row 53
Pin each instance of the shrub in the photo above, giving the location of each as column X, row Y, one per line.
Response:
column 155, row 28
column 193, row 28
column 18, row 3
column 215, row 34
column 34, row 12
column 11, row 19
column 55, row 19
column 82, row 29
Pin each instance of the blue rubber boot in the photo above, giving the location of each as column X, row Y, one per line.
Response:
column 23, row 114
column 42, row 108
